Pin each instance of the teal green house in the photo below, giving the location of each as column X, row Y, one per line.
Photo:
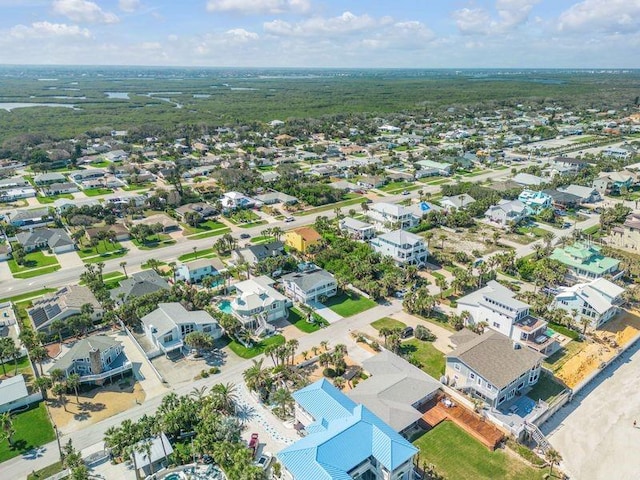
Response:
column 586, row 262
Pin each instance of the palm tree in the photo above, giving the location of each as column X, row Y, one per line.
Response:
column 442, row 237
column 293, row 344
column 123, row 266
column 224, row 397
column 57, row 326
column 441, row 283
column 199, row 393
column 7, row 429
column 73, row 382
column 42, row 383
column 553, row 457
column 59, row 390
column 324, row 345
column 39, row 354
column 255, row 376
column 283, row 400
column 339, row 382
column 145, row 447
column 156, row 427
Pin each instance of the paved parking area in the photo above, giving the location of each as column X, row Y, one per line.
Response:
column 595, row 433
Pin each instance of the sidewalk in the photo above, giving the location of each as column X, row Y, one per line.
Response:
column 142, row 370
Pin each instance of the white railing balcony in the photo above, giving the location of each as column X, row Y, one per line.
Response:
column 107, row 374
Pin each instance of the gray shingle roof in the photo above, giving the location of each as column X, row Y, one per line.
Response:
column 53, row 237
column 308, row 280
column 169, row 315
column 82, row 348
column 494, row 357
column 141, row 283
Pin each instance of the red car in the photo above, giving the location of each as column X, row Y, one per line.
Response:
column 253, row 443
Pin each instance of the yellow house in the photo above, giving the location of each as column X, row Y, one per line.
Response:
column 301, row 238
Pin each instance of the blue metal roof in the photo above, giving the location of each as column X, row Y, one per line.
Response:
column 341, row 441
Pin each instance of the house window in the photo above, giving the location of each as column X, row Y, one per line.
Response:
column 496, row 325
column 472, row 376
column 456, row 366
column 168, row 338
column 479, row 381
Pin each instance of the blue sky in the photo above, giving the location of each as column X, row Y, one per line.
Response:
column 323, row 33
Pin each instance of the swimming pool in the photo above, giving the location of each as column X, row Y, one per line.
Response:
column 225, row 307
column 173, row 476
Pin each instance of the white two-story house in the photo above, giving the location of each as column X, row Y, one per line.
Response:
column 310, row 285
column 496, row 305
column 506, row 213
column 389, row 216
column 405, row 248
column 167, row 326
column 598, row 301
column 257, row 304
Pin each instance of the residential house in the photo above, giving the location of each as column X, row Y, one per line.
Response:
column 13, row 183
column 272, row 198
column 343, row 440
column 49, row 178
column 585, row 194
column 563, row 200
column 14, row 394
column 457, row 202
column 195, row 271
column 62, row 304
column 492, row 367
column 369, row 182
column 269, row 176
column 357, row 229
column 168, row 224
column 496, row 306
column 395, row 390
column 574, row 165
column 55, row 239
column 168, row 324
column 613, row 182
column 429, row 168
column 301, row 238
column 506, row 213
column 59, row 188
column 535, row 202
column 253, row 254
column 235, row 200
column 627, row 235
column 528, row 180
column 36, row 217
column 619, row 153
column 310, row 285
column 153, row 460
column 13, row 194
column 138, row 284
column 598, row 301
column 95, row 359
column 405, row 248
column 81, row 176
column 120, row 231
column 201, row 209
column 585, row 262
column 257, row 304
column 389, row 216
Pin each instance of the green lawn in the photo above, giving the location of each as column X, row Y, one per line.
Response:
column 546, row 389
column 262, row 239
column 536, row 231
column 33, row 429
column 135, row 188
column 33, row 260
column 208, row 226
column 38, row 272
column 349, row 303
column 241, row 217
column 158, row 240
column 103, row 247
column 591, row 230
column 556, row 361
column 567, row 332
column 24, row 366
column 387, row 322
column 331, row 206
column 253, row 224
column 395, row 186
column 457, row 455
column 431, row 359
column 212, row 233
column 53, row 198
column 257, row 349
column 46, row 472
column 299, row 320
column 204, row 253
column 28, row 295
column 94, row 192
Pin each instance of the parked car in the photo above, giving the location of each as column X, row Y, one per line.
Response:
column 245, row 235
column 253, row 443
column 407, row 332
column 566, row 225
column 405, row 192
column 289, row 219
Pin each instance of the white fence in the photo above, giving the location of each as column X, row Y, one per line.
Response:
column 21, row 402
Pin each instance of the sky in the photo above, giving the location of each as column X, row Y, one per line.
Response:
column 323, row 33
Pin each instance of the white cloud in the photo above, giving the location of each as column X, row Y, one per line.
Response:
column 129, row 5
column 251, row 7
column 48, row 30
column 511, row 14
column 241, row 35
column 601, row 15
column 342, row 24
column 83, row 11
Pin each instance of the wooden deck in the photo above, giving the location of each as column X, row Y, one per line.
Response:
column 472, row 423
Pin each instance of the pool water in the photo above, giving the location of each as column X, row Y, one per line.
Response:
column 225, row 307
column 172, row 476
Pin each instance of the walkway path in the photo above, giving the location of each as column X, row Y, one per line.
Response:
column 325, row 312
